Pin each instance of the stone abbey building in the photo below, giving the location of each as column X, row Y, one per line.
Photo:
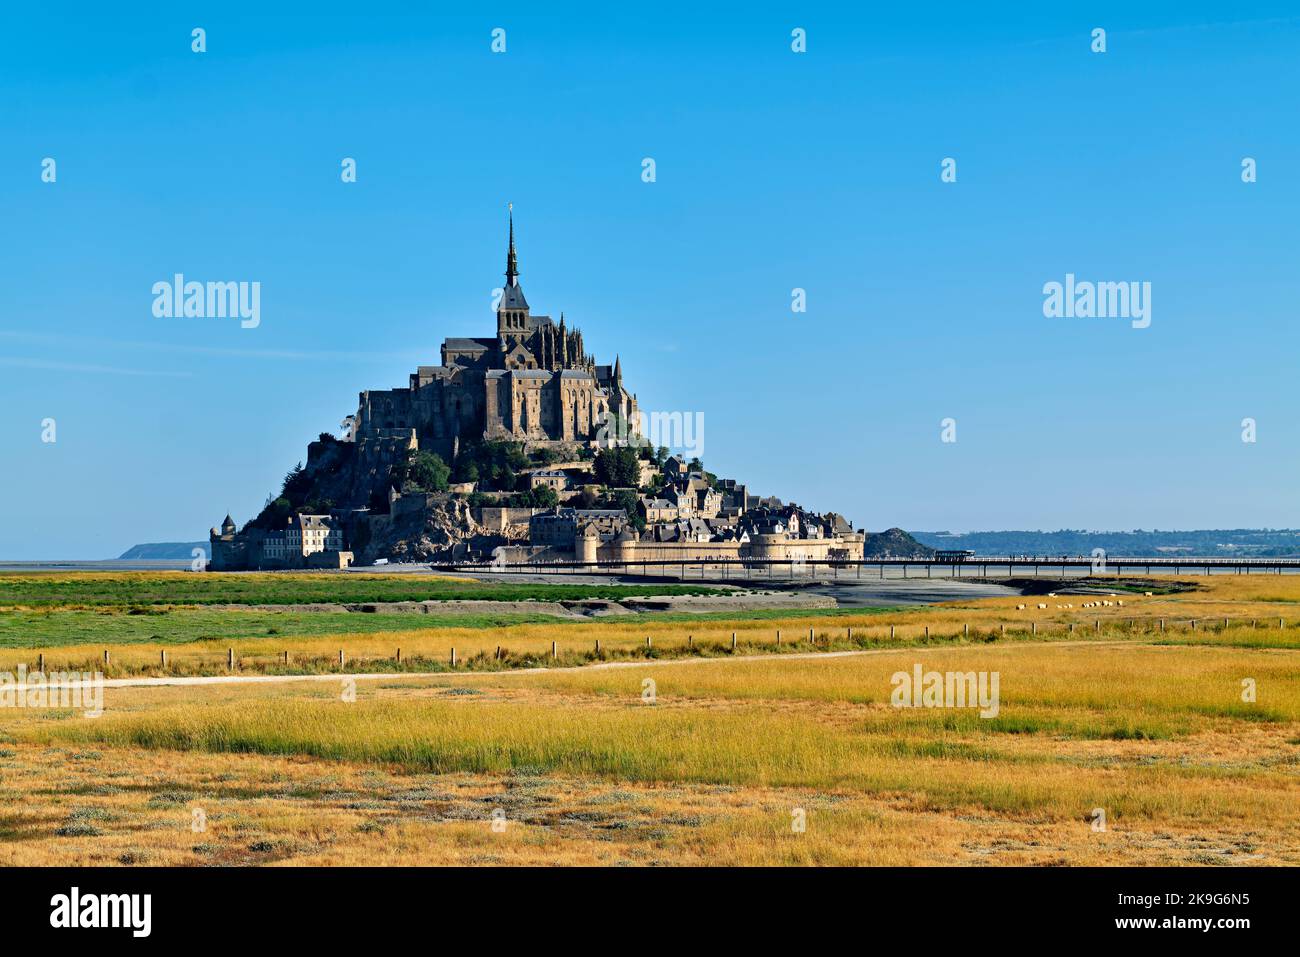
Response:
column 532, row 382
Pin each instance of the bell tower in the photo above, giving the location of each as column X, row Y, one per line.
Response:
column 512, row 311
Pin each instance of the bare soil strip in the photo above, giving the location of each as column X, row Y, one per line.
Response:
column 639, row 663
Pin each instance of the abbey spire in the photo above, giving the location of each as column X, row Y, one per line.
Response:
column 512, row 313
column 512, row 262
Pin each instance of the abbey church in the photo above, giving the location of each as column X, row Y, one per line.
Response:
column 532, row 382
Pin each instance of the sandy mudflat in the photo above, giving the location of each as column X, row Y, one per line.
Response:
column 585, row 608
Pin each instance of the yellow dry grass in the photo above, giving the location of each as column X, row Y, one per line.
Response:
column 716, row 770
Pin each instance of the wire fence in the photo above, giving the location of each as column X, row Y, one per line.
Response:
column 127, row 661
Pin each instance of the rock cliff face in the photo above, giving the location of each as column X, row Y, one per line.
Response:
column 429, row 528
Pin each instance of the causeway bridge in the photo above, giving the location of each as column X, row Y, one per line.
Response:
column 974, row 568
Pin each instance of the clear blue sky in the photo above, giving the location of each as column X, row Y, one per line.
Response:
column 775, row 170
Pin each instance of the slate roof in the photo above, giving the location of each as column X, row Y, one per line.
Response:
column 513, row 298
column 469, row 345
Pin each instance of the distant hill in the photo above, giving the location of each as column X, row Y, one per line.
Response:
column 1207, row 543
column 155, row 551
column 894, row 543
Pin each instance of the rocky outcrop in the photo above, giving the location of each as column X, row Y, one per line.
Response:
column 894, row 543
column 425, row 528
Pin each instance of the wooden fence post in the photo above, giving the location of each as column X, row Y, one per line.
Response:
column 733, row 641
column 453, row 657
column 162, row 656
column 597, row 647
column 40, row 662
column 340, row 657
column 399, row 656
column 552, row 651
column 230, row 659
column 105, row 656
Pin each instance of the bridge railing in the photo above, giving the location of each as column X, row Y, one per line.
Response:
column 795, row 568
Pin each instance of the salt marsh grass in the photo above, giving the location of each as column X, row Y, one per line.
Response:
column 1153, row 726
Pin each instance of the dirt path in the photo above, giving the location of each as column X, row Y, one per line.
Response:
column 646, row 663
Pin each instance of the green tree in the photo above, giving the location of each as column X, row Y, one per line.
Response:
column 428, row 472
column 297, row 483
column 618, row 468
column 492, row 464
column 543, row 496
column 275, row 514
column 515, row 456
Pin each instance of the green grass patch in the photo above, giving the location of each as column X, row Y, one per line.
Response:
column 163, row 625
column 281, row 589
column 175, row 626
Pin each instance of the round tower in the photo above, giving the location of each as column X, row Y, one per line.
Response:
column 625, row 545
column 588, row 543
